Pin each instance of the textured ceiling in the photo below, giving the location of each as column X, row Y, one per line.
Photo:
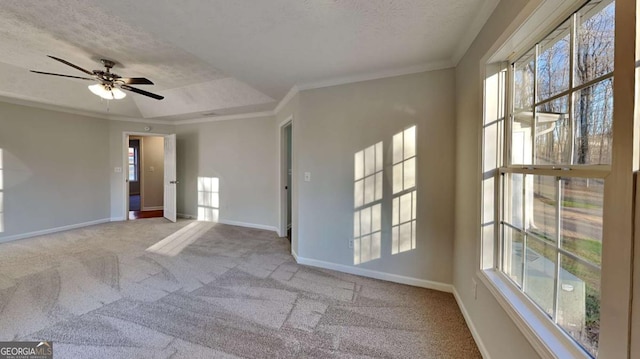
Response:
column 221, row 56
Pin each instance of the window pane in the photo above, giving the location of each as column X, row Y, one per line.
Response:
column 410, row 142
column 553, row 63
column 358, row 194
column 594, row 120
column 132, row 172
column 397, row 148
column 397, row 178
column 579, row 303
column 581, row 215
column 378, row 156
column 512, row 259
column 356, row 224
column 521, row 146
column 553, row 132
column 369, row 161
column 523, row 71
column 409, row 173
column 358, row 167
column 543, row 221
column 595, row 41
column 513, row 207
column 540, row 273
column 369, row 189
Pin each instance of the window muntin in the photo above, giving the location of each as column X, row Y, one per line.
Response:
column 551, row 225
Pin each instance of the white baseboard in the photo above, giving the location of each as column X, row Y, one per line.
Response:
column 416, row 282
column 154, row 208
column 233, row 223
column 117, row 219
column 248, row 225
column 53, row 230
column 472, row 328
column 294, row 254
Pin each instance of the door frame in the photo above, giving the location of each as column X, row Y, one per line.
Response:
column 125, row 166
column 282, row 177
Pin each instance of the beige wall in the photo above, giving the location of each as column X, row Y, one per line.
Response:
column 242, row 154
column 54, row 169
column 152, row 172
column 336, row 122
column 500, row 336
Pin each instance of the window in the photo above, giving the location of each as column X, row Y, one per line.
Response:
column 367, row 220
column 551, row 181
column 133, row 164
column 403, row 224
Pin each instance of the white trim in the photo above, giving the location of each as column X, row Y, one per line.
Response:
column 186, row 216
column 294, row 254
column 416, row 282
column 545, row 338
column 53, row 230
column 152, row 208
column 431, row 66
column 139, row 120
column 240, row 116
column 117, row 219
column 285, row 100
column 472, row 328
column 282, row 225
column 30, row 102
column 481, row 17
column 248, row 225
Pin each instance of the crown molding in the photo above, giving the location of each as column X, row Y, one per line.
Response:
column 139, row 120
column 30, row 102
column 285, row 100
column 486, row 9
column 239, row 116
column 430, row 66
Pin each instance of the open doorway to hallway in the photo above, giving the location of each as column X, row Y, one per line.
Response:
column 146, row 176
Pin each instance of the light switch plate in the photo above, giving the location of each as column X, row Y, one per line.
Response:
column 307, row 176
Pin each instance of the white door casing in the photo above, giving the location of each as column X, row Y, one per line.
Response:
column 170, row 179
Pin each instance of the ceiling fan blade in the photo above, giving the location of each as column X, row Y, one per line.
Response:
column 72, row 65
column 141, row 92
column 135, row 80
column 73, row 77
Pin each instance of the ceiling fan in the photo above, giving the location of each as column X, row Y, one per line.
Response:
column 110, row 85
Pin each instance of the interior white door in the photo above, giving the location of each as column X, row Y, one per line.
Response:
column 170, row 178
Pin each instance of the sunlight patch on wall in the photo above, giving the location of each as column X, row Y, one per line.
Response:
column 403, row 224
column 1, row 194
column 208, row 199
column 367, row 220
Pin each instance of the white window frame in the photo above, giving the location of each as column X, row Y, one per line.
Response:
column 548, row 340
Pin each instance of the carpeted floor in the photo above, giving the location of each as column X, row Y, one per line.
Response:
column 210, row 291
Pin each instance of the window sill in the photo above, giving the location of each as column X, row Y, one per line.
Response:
column 548, row 340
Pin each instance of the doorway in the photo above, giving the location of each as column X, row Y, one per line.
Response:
column 286, row 178
column 145, row 176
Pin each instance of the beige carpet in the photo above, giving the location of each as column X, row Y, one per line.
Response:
column 210, row 291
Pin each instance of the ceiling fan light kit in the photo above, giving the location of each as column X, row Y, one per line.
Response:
column 110, row 85
column 106, row 92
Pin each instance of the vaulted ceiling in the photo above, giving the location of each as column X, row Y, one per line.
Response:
column 222, row 57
